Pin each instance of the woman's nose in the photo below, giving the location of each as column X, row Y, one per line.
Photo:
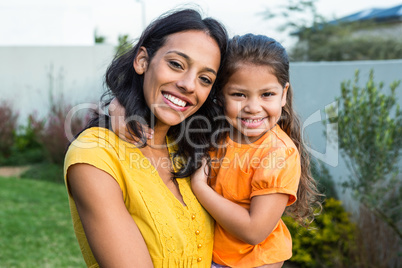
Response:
column 187, row 82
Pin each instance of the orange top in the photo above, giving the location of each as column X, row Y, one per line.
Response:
column 269, row 165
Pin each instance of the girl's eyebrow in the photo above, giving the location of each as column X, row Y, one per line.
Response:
column 240, row 89
column 270, row 87
column 185, row 56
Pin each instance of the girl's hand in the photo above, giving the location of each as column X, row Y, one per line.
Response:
column 200, row 176
column 119, row 126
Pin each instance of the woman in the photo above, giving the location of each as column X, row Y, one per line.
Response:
column 126, row 208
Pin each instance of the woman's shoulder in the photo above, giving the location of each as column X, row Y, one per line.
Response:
column 95, row 139
column 93, row 143
column 98, row 135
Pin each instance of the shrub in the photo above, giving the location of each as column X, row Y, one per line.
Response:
column 325, row 181
column 28, row 136
column 45, row 172
column 329, row 241
column 53, row 137
column 370, row 140
column 27, row 148
column 40, row 140
column 8, row 127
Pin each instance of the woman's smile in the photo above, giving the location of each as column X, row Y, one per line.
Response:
column 179, row 77
column 176, row 102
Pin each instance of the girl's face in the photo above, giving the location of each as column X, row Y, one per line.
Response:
column 179, row 78
column 253, row 101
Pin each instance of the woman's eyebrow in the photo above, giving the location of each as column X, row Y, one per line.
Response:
column 190, row 60
column 180, row 54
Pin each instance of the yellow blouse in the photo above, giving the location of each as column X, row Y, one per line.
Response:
column 176, row 235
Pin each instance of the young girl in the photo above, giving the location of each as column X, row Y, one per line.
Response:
column 263, row 167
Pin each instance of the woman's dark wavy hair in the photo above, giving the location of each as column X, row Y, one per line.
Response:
column 265, row 51
column 127, row 86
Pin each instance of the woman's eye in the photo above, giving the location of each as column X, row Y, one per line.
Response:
column 175, row 65
column 206, row 80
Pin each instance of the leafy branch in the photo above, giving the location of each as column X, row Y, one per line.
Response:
column 370, row 139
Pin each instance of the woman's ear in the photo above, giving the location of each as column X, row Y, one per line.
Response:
column 141, row 61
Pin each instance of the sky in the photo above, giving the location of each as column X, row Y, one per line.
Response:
column 73, row 22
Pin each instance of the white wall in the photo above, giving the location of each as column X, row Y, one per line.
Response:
column 78, row 74
column 28, row 74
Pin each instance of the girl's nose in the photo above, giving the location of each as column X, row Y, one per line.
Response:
column 252, row 106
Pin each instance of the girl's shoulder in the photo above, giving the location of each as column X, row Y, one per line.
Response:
column 277, row 138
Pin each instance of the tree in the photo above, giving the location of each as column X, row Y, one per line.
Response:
column 99, row 39
column 370, row 139
column 331, row 41
column 124, row 44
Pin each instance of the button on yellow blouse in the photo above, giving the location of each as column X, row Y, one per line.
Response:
column 171, row 231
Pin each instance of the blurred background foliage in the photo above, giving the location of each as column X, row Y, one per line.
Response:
column 320, row 39
column 41, row 142
column 369, row 134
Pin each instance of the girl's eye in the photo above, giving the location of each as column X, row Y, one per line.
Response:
column 267, row 94
column 206, row 80
column 175, row 65
column 238, row 95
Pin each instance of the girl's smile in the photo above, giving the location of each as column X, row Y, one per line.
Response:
column 253, row 101
column 252, row 122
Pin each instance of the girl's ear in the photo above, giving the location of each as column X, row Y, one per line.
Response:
column 284, row 94
column 218, row 101
column 140, row 63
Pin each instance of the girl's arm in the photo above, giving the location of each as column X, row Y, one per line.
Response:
column 112, row 234
column 251, row 226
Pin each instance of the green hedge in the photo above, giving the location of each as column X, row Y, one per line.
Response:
column 328, row 242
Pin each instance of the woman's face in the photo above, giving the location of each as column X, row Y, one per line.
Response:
column 179, row 78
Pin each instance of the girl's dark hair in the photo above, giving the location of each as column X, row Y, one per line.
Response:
column 127, row 86
column 265, row 51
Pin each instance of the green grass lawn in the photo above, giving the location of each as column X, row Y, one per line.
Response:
column 35, row 225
